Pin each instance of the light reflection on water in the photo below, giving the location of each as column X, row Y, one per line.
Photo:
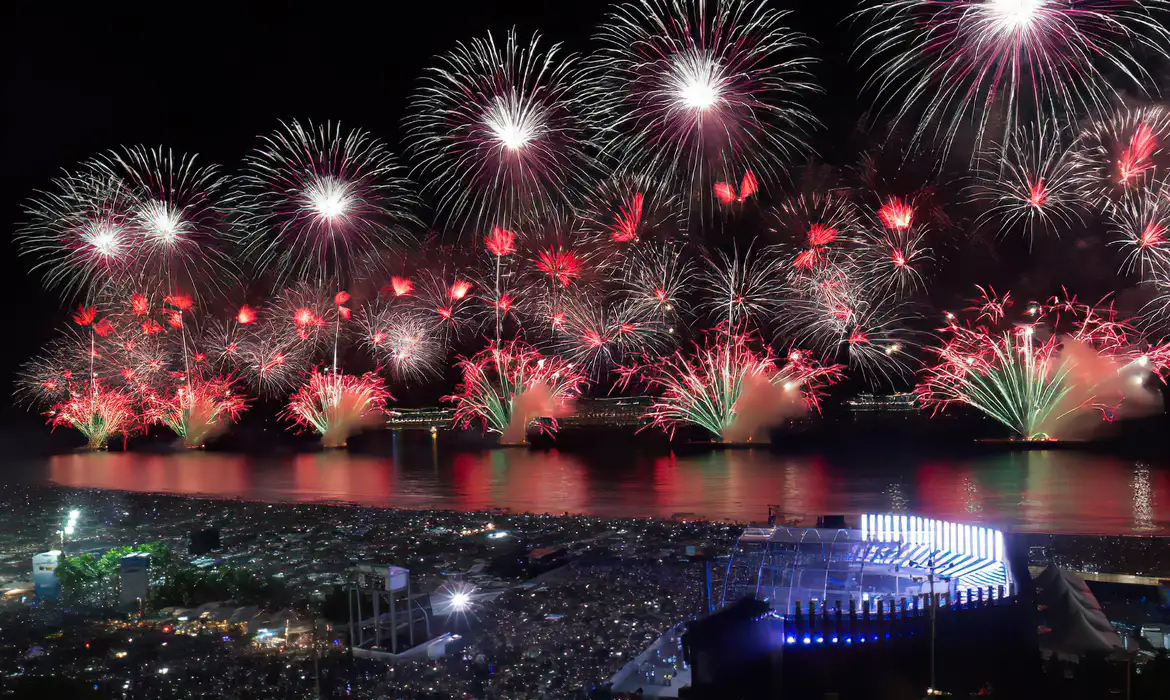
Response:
column 1030, row 491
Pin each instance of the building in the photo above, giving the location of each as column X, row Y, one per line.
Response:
column 135, row 570
column 421, row 418
column 609, row 412
column 386, row 620
column 883, row 403
column 45, row 583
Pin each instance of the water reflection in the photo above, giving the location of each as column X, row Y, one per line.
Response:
column 195, row 472
column 1036, row 491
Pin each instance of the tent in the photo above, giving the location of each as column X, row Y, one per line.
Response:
column 1072, row 616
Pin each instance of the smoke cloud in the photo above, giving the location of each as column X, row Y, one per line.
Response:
column 1125, row 390
column 760, row 406
column 535, row 402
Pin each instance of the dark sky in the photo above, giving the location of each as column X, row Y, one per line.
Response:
column 207, row 79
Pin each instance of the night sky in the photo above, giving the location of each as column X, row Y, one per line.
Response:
column 207, row 80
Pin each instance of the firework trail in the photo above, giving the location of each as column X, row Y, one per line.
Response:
column 1031, row 183
column 729, row 380
column 497, row 299
column 1041, row 377
column 315, row 201
column 507, row 386
column 335, row 406
column 697, row 92
column 1122, row 153
column 196, row 411
column 1000, row 64
column 497, row 133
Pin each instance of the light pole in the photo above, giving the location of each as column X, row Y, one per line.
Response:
column 931, row 690
column 69, row 527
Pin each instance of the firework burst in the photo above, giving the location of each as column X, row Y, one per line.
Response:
column 81, row 231
column 598, row 335
column 177, row 219
column 892, row 252
column 698, row 92
column 732, row 386
column 315, row 201
column 1063, row 362
column 405, row 339
column 497, row 131
column 813, row 225
column 738, row 288
column 655, row 282
column 1030, row 184
column 1004, row 63
column 335, row 406
column 835, row 310
column 96, row 412
column 1140, row 223
column 196, row 411
column 1124, row 152
column 507, row 386
column 629, row 209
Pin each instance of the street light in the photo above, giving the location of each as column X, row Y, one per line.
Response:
column 69, row 527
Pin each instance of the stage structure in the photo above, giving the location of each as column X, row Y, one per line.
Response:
column 881, row 561
column 382, row 610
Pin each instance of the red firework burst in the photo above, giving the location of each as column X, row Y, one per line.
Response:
column 96, row 412
column 896, row 214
